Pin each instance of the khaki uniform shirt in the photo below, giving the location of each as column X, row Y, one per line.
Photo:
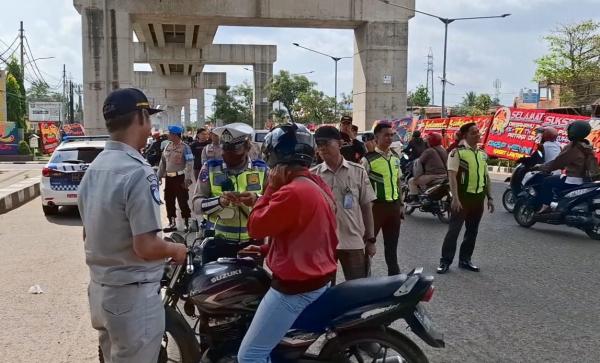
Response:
column 119, row 198
column 176, row 157
column 211, row 151
column 353, row 192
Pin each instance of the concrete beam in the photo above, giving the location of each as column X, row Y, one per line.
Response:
column 264, row 13
column 206, row 80
column 229, row 54
column 160, row 35
column 189, row 35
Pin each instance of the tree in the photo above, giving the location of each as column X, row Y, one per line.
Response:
column 475, row 105
column 346, row 102
column 234, row 105
column 419, row 97
column 315, row 107
column 287, row 89
column 40, row 92
column 16, row 97
column 573, row 62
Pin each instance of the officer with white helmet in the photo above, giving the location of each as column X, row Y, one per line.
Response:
column 176, row 166
column 228, row 188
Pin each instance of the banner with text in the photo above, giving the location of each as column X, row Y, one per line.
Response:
column 50, row 136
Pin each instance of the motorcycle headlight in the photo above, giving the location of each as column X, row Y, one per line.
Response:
column 579, row 192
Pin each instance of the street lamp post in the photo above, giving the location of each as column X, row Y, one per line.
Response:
column 335, row 61
column 446, row 21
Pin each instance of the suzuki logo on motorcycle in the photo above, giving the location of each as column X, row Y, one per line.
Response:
column 225, row 275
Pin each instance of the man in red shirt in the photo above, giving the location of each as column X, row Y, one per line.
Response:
column 297, row 212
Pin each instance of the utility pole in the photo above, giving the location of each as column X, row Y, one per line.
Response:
column 71, row 106
column 430, row 76
column 64, row 82
column 21, row 37
column 80, row 108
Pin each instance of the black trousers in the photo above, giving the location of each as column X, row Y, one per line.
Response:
column 470, row 216
column 175, row 189
column 386, row 217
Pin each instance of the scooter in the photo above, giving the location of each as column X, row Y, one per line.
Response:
column 577, row 207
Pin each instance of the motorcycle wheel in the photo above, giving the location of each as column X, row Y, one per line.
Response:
column 524, row 213
column 444, row 214
column 179, row 342
column 372, row 345
column 593, row 232
column 408, row 210
column 508, row 200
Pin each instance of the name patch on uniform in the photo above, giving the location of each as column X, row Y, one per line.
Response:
column 253, row 178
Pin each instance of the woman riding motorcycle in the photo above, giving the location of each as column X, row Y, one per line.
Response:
column 572, row 158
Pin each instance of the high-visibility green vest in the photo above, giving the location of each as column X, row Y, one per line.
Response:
column 384, row 174
column 250, row 180
column 472, row 173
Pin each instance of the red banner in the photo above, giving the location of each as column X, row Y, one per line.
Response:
column 50, row 136
column 73, row 129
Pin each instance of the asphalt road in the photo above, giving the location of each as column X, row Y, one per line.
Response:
column 535, row 299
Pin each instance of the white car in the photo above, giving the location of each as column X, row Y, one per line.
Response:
column 63, row 173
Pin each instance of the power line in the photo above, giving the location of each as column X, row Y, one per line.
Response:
column 34, row 61
column 10, row 46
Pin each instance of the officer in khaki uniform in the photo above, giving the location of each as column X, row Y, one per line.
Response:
column 119, row 203
column 177, row 167
column 354, row 195
column 227, row 188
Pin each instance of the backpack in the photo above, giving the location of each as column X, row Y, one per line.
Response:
column 592, row 171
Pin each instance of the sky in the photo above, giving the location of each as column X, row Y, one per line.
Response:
column 479, row 52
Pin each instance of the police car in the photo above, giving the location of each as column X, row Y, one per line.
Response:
column 63, row 173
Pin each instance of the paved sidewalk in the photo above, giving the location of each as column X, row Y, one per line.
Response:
column 18, row 188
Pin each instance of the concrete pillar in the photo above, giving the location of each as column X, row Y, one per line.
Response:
column 263, row 76
column 107, row 59
column 174, row 114
column 201, row 108
column 380, row 63
column 186, row 111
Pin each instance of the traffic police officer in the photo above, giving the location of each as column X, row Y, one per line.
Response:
column 176, row 166
column 119, row 203
column 227, row 188
column 383, row 167
column 470, row 184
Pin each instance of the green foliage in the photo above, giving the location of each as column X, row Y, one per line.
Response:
column 17, row 93
column 24, row 148
column 40, row 92
column 419, row 97
column 314, row 106
column 573, row 61
column 475, row 105
column 287, row 89
column 234, row 104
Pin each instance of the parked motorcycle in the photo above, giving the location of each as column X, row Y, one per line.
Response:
column 354, row 317
column 577, row 207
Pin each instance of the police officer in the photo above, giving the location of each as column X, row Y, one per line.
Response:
column 470, row 184
column 383, row 167
column 119, row 202
column 176, row 166
column 228, row 188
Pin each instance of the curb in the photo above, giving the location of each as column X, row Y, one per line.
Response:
column 18, row 194
column 500, row 169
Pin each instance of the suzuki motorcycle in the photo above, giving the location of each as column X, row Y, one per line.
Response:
column 351, row 321
column 577, row 207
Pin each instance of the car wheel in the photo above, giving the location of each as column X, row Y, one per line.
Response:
column 50, row 210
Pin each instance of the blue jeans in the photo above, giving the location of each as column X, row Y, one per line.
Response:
column 276, row 314
column 552, row 184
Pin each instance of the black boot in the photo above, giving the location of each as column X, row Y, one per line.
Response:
column 186, row 221
column 172, row 225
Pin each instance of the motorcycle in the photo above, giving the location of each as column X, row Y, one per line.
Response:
column 578, row 207
column 435, row 199
column 354, row 318
column 522, row 176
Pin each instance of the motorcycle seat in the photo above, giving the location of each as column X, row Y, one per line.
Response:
column 347, row 296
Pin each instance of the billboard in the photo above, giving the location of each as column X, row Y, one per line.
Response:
column 45, row 111
column 74, row 129
column 50, row 136
column 9, row 138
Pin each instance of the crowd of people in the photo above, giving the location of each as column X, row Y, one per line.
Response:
column 304, row 201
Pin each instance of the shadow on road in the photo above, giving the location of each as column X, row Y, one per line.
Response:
column 67, row 216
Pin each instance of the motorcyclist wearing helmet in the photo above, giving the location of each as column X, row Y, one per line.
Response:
column 572, row 158
column 432, row 166
column 297, row 212
column 415, row 146
column 548, row 145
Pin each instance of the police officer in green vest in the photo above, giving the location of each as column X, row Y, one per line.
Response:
column 227, row 188
column 383, row 168
column 470, row 184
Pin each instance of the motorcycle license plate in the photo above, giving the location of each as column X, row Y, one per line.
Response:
column 423, row 317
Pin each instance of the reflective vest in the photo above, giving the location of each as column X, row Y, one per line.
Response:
column 384, row 174
column 250, row 180
column 472, row 173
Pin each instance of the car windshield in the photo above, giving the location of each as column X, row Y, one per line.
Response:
column 75, row 156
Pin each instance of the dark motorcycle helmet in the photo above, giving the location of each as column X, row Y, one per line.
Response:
column 289, row 144
column 578, row 130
